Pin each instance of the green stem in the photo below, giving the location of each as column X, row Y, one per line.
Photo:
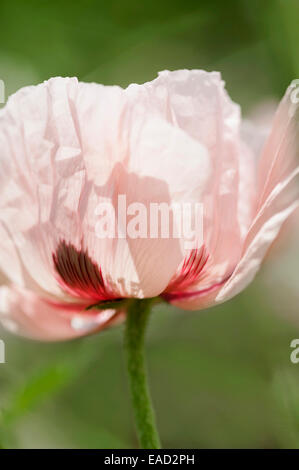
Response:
column 137, row 317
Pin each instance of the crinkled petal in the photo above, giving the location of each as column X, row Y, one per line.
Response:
column 69, row 145
column 277, row 199
column 196, row 102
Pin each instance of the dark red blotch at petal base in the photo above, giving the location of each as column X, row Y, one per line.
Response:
column 79, row 275
column 188, row 274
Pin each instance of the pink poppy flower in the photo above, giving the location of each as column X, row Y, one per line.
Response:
column 65, row 145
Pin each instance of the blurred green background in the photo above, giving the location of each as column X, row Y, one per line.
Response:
column 221, row 377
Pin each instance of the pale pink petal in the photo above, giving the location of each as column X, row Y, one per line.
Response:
column 147, row 160
column 197, row 102
column 279, row 194
column 47, row 137
column 164, row 166
column 66, row 146
column 31, row 140
column 283, row 200
column 25, row 313
column 278, row 197
column 9, row 260
column 281, row 153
